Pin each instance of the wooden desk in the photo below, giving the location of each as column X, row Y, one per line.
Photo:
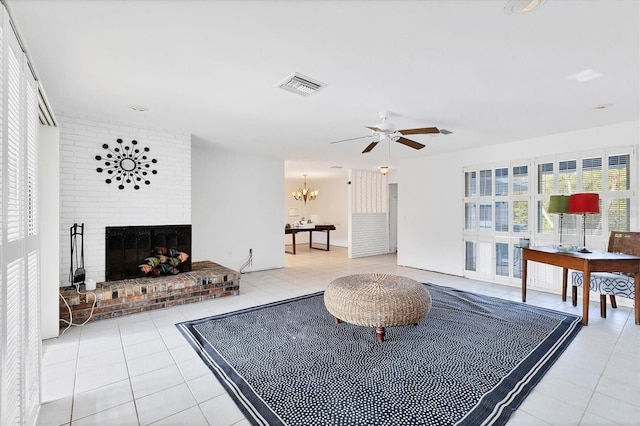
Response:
column 587, row 263
column 321, row 228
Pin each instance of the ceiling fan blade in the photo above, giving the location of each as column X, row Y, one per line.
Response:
column 375, row 129
column 410, row 143
column 351, row 139
column 370, row 147
column 422, row 131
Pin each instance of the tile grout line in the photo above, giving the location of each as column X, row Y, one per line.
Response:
column 126, row 363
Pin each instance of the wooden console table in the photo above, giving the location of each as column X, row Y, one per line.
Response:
column 321, row 228
column 586, row 263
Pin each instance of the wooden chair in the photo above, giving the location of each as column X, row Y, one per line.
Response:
column 611, row 283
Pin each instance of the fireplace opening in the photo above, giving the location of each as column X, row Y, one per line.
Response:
column 126, row 247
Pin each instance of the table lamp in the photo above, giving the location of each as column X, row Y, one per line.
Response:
column 584, row 204
column 559, row 204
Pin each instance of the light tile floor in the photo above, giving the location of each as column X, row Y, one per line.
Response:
column 139, row 370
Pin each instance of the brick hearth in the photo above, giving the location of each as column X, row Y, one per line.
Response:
column 206, row 280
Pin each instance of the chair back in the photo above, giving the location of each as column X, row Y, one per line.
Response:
column 624, row 242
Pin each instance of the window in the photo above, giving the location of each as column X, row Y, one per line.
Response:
column 502, row 216
column 520, row 180
column 502, row 259
column 619, row 176
column 496, row 204
column 618, row 213
column 545, row 178
column 470, row 220
column 485, row 217
column 485, row 183
column 592, row 175
column 517, row 261
column 470, row 184
column 502, row 181
column 470, row 256
column 520, row 216
column 567, row 177
column 510, row 201
column 618, row 206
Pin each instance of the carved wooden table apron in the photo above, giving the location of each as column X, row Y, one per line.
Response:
column 586, row 263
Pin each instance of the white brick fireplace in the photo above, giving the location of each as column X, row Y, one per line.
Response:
column 86, row 198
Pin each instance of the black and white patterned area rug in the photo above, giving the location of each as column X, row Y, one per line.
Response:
column 472, row 361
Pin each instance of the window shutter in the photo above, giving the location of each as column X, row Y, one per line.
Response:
column 15, row 144
column 20, row 347
column 32, row 360
column 32, row 160
column 13, row 370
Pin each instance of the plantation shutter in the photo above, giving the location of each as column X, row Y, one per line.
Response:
column 32, row 160
column 15, row 205
column 33, row 348
column 20, row 347
column 14, row 367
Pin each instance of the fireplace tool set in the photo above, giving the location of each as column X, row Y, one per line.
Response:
column 77, row 272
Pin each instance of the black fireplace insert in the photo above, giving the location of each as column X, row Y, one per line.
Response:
column 127, row 247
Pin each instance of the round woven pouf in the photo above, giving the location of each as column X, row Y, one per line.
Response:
column 377, row 300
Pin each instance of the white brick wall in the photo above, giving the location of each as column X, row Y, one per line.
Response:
column 372, row 231
column 86, row 198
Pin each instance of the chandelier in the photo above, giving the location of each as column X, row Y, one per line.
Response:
column 305, row 193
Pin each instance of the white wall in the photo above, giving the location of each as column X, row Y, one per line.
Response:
column 86, row 198
column 331, row 205
column 237, row 205
column 49, row 190
column 430, row 237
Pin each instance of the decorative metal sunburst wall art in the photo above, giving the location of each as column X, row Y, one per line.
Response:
column 126, row 164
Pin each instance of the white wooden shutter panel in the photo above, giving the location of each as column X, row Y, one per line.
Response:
column 1, row 129
column 20, row 349
column 12, row 376
column 14, row 164
column 32, row 159
column 32, row 360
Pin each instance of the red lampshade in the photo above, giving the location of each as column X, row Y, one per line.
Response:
column 584, row 203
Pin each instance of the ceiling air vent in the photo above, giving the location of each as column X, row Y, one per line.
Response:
column 300, row 84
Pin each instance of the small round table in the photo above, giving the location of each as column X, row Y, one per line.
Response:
column 377, row 300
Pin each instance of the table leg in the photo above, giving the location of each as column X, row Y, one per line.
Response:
column 564, row 284
column 293, row 236
column 310, row 238
column 524, row 280
column 586, row 288
column 328, row 234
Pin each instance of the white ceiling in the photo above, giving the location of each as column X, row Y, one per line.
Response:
column 212, row 68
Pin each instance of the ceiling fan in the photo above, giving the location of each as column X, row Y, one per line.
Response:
column 386, row 130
